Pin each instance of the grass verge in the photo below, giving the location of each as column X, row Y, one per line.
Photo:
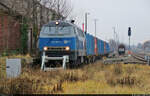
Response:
column 92, row 79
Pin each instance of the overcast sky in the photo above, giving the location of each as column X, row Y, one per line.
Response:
column 115, row 13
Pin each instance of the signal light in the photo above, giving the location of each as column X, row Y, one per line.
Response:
column 129, row 31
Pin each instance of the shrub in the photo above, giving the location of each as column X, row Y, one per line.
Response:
column 110, row 78
column 127, row 80
column 117, row 69
column 114, row 80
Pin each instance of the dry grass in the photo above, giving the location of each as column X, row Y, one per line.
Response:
column 37, row 82
column 120, row 79
column 92, row 79
column 2, row 68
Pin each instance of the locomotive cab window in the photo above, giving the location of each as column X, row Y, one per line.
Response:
column 57, row 31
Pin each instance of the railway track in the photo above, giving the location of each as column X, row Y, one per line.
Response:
column 140, row 57
column 136, row 58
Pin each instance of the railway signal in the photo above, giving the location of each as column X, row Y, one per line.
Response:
column 129, row 34
column 129, row 31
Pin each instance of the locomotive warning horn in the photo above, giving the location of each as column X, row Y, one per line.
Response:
column 72, row 21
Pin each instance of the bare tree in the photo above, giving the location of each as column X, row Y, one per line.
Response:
column 113, row 44
column 62, row 8
column 39, row 12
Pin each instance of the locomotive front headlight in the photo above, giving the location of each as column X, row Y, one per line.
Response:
column 45, row 48
column 67, row 48
column 57, row 23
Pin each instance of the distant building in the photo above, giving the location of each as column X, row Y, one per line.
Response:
column 9, row 32
column 31, row 9
column 146, row 46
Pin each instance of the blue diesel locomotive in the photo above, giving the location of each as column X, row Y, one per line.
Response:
column 64, row 43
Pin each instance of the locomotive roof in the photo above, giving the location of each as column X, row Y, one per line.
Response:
column 65, row 23
column 61, row 23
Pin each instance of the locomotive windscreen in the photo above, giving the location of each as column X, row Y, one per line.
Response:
column 57, row 30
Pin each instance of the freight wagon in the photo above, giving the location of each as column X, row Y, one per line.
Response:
column 96, row 48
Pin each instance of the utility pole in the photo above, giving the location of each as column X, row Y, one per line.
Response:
column 114, row 37
column 114, row 32
column 95, row 21
column 86, row 21
column 58, row 13
column 129, row 42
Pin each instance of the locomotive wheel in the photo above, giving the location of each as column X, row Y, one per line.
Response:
column 76, row 63
column 68, row 65
column 86, row 61
column 72, row 64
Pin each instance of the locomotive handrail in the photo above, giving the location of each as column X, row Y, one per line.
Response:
column 65, row 59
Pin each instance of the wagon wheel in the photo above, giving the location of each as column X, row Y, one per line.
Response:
column 74, row 64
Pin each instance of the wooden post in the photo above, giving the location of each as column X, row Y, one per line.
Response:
column 30, row 40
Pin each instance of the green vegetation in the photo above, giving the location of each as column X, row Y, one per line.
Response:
column 10, row 52
column 24, row 36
